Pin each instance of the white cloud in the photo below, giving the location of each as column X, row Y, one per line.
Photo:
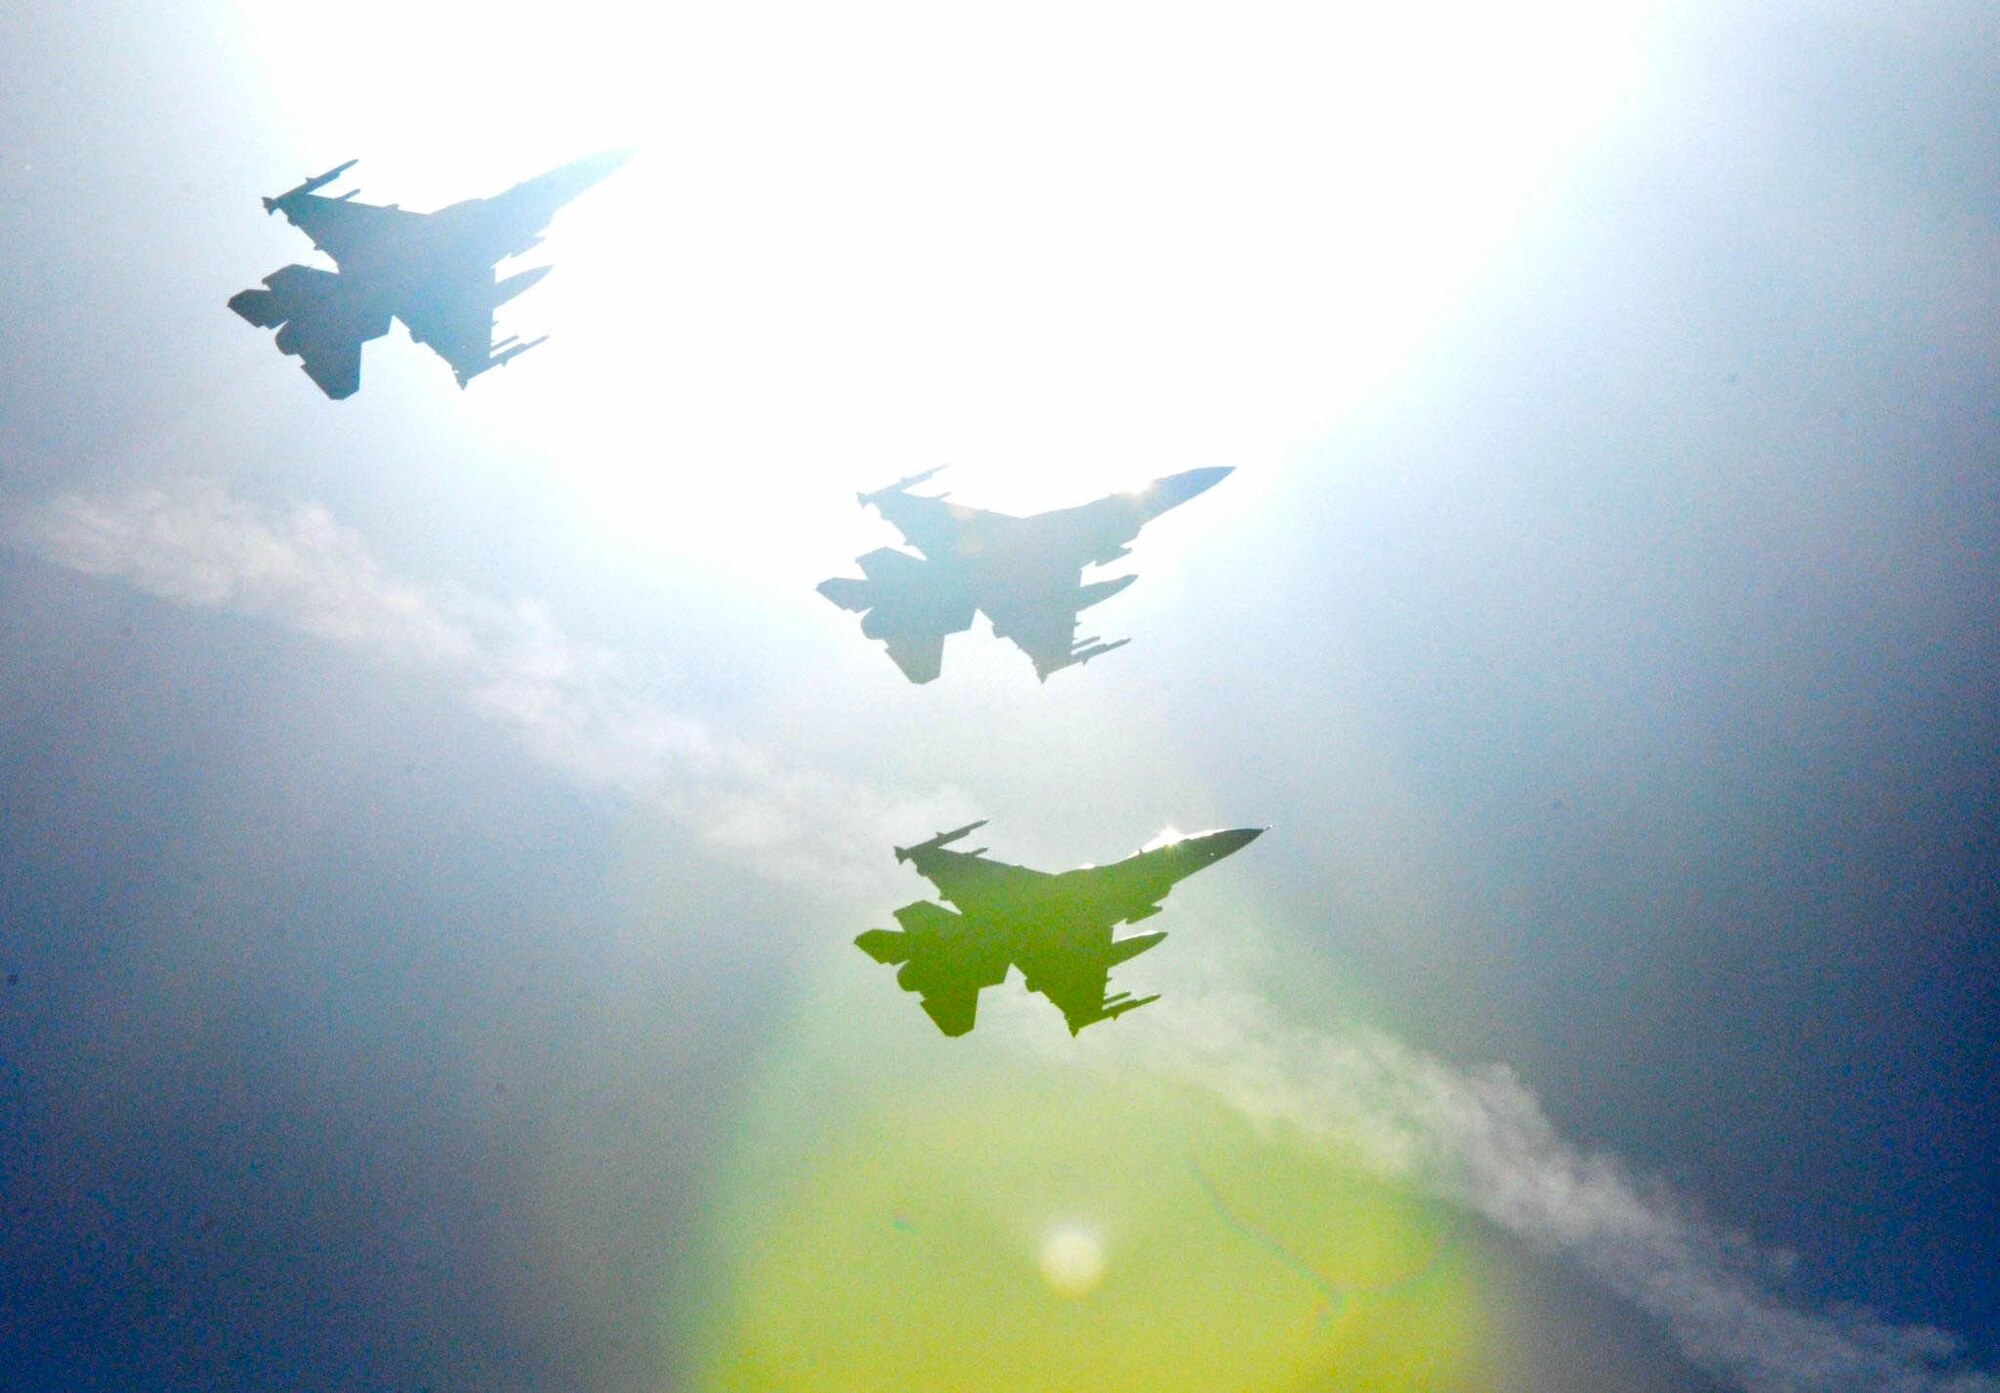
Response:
column 571, row 705
column 1479, row 1139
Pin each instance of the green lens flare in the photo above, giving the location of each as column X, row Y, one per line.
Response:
column 1048, row 1229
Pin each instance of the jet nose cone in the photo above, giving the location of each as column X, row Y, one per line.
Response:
column 1232, row 841
column 565, row 182
column 592, row 168
column 1206, row 848
column 1176, row 489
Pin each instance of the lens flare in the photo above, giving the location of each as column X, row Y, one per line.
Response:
column 1072, row 1261
column 1038, row 1226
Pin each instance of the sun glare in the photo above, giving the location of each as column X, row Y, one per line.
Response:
column 1064, row 249
column 1072, row 1261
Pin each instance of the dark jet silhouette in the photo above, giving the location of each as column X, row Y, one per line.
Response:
column 1055, row 928
column 1025, row 573
column 433, row 271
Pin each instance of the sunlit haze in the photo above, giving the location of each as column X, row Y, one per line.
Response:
column 505, row 889
column 1062, row 248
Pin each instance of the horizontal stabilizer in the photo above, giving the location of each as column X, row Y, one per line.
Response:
column 953, row 1013
column 889, row 564
column 884, row 945
column 923, row 918
column 260, row 307
column 848, row 592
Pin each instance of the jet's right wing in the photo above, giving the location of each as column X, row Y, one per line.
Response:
column 1070, row 963
column 451, row 313
column 1039, row 613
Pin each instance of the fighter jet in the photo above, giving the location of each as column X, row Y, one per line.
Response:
column 1055, row 927
column 1025, row 573
column 433, row 271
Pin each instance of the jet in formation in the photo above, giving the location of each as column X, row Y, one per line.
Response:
column 1055, row 927
column 433, row 271
column 1025, row 573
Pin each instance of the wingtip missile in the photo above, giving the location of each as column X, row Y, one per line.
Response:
column 500, row 360
column 904, row 853
column 905, row 483
column 1093, row 649
column 1112, row 1009
column 272, row 204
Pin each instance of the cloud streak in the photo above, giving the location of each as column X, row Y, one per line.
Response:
column 1477, row 1138
column 572, row 706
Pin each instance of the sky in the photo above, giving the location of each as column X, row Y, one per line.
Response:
column 434, row 825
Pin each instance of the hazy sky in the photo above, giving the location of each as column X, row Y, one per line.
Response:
column 433, row 826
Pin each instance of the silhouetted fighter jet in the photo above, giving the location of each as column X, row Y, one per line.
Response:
column 1025, row 573
column 433, row 271
column 1055, row 928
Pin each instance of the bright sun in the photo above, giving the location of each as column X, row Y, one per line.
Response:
column 1065, row 248
column 1072, row 1260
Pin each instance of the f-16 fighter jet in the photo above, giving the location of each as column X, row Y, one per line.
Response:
column 1055, row 928
column 1025, row 573
column 433, row 271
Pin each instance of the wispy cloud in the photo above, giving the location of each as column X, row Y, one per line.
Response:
column 572, row 706
column 1479, row 1139
column 1475, row 1137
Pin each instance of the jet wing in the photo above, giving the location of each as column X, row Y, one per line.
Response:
column 452, row 314
column 1071, row 964
column 1037, row 622
column 1040, row 619
column 920, row 656
column 344, row 230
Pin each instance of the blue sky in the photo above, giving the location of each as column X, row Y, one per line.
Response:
column 436, row 822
